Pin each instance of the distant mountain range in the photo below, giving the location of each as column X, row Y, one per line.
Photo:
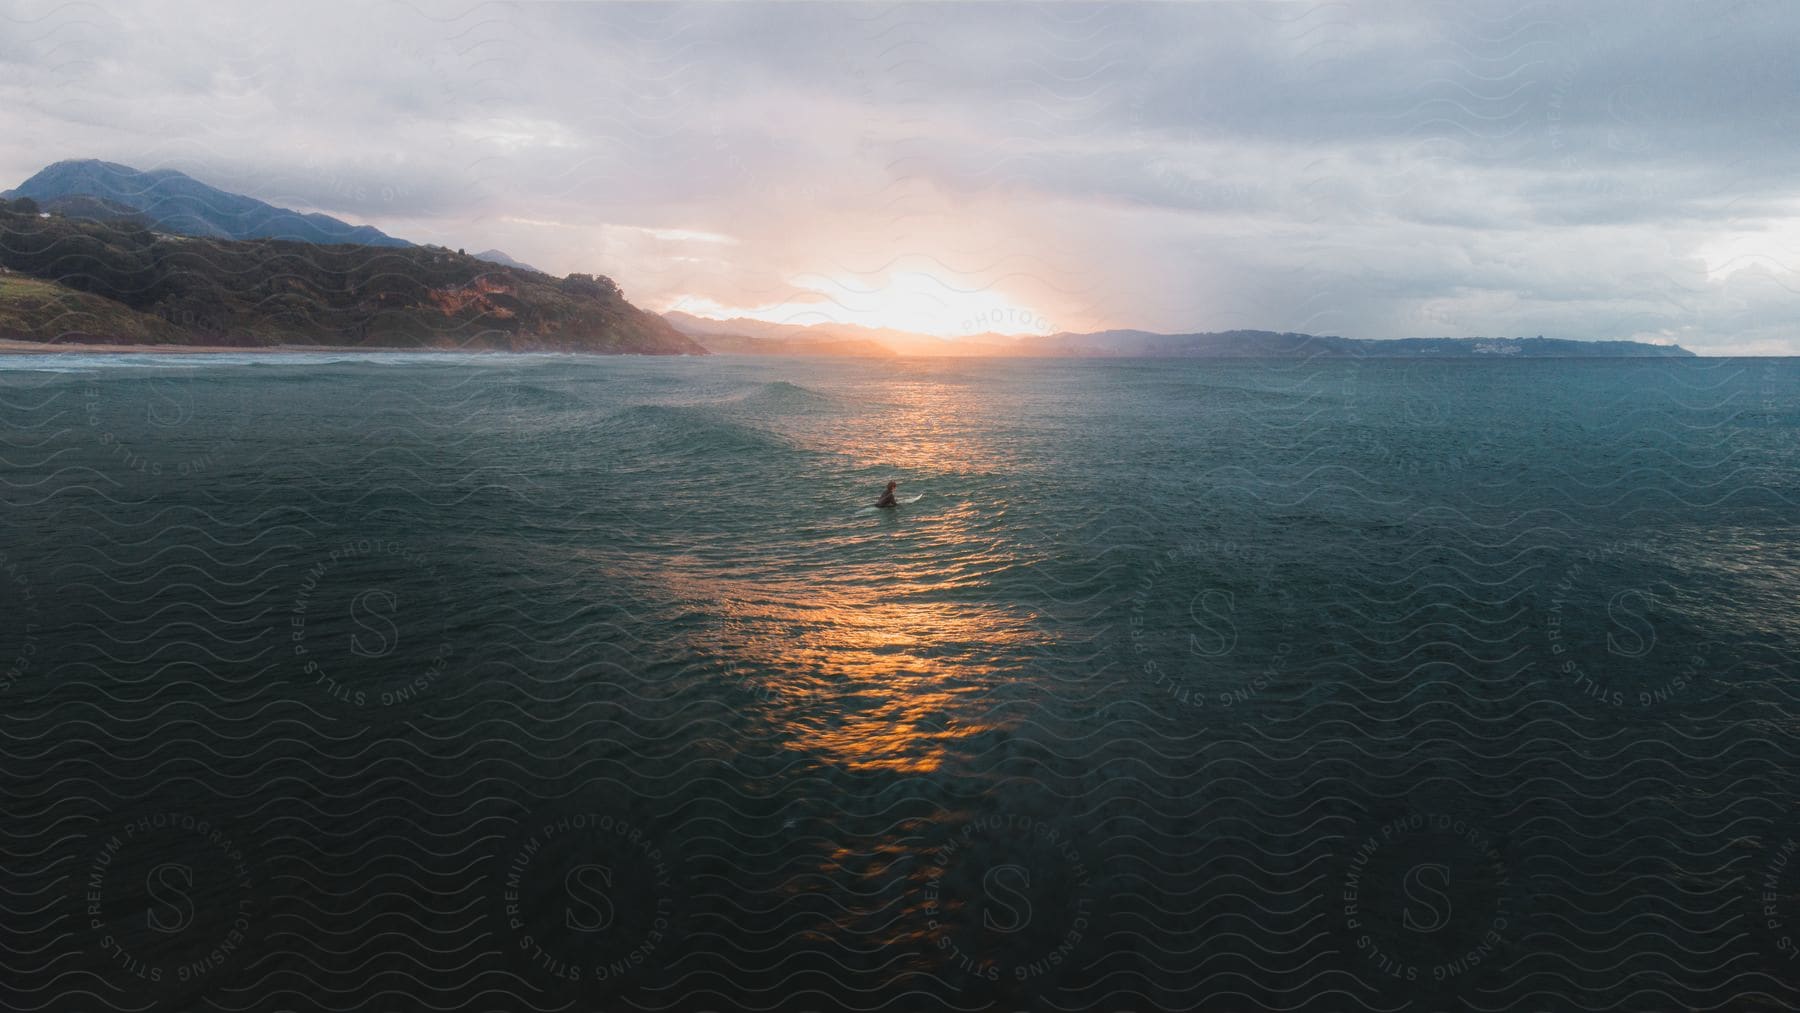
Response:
column 225, row 293
column 112, row 254
column 1252, row 344
column 171, row 201
column 740, row 344
column 793, row 339
column 742, row 335
column 496, row 257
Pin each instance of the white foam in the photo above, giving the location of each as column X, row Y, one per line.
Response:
column 83, row 362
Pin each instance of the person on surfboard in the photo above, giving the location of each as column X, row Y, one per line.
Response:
column 887, row 498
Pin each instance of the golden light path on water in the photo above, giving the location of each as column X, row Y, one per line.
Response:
column 878, row 643
column 858, row 678
column 860, row 744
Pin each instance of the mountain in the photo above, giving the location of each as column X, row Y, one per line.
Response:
column 171, row 201
column 1258, row 344
column 83, row 205
column 1538, row 347
column 496, row 257
column 894, row 341
column 436, row 295
column 1216, row 344
column 1239, row 344
column 117, row 281
column 740, row 344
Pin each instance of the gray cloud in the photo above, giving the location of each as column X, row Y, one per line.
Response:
column 1372, row 171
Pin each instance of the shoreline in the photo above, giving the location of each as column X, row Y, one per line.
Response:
column 9, row 346
column 13, row 346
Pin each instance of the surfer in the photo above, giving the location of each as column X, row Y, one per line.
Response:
column 887, row 498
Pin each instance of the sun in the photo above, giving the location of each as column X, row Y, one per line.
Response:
column 914, row 301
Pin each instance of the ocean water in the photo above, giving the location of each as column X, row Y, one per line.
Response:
column 543, row 682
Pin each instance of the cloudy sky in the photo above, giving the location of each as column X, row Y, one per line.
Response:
column 1370, row 170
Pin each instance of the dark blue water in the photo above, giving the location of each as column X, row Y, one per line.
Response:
column 589, row 684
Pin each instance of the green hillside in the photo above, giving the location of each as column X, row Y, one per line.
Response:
column 32, row 309
column 276, row 292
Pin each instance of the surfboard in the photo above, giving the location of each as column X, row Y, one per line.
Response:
column 899, row 501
